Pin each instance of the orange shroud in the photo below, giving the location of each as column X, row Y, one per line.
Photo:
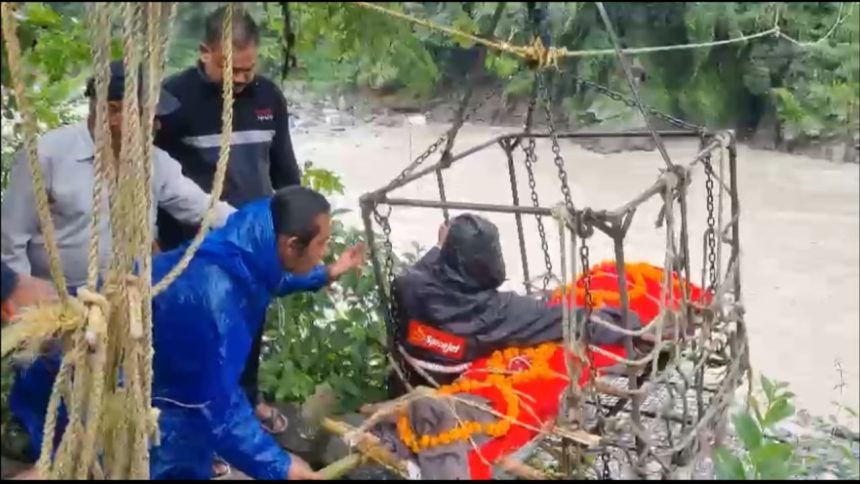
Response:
column 540, row 403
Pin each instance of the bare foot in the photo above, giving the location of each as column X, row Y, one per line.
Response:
column 220, row 469
column 271, row 419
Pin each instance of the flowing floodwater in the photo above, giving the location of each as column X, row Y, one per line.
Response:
column 799, row 232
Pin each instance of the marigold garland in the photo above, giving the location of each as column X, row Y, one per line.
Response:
column 637, row 274
column 500, row 377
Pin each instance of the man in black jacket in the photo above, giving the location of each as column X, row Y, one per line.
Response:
column 452, row 313
column 261, row 152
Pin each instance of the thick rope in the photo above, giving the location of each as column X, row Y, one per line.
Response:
column 221, row 168
column 100, row 19
column 544, row 56
column 13, row 52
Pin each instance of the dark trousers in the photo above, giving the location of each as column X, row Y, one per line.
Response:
column 248, row 380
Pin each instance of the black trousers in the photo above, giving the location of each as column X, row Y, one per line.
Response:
column 249, row 379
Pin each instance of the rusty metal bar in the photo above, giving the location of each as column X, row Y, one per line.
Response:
column 633, row 384
column 440, row 182
column 479, row 207
column 445, row 163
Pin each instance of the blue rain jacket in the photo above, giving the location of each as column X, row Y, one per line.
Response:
column 203, row 326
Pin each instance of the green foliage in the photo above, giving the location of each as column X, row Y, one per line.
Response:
column 813, row 89
column 56, row 56
column 334, row 336
column 55, row 60
column 343, row 45
column 321, row 180
column 763, row 456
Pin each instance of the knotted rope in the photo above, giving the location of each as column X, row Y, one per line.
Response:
column 116, row 423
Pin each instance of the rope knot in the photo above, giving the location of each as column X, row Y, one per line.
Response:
column 97, row 314
column 561, row 213
column 135, row 307
column 540, row 56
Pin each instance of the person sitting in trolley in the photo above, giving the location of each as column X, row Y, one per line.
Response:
column 451, row 312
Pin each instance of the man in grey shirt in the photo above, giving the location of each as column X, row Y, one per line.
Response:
column 66, row 156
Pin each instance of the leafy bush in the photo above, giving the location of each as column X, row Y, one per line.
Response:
column 763, row 456
column 822, row 449
column 335, row 336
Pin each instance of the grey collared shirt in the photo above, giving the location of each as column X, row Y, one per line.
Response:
column 66, row 155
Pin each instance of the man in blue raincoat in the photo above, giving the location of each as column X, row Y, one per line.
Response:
column 204, row 323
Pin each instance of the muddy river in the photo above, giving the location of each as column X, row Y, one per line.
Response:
column 799, row 232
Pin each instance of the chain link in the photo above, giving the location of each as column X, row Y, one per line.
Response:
column 711, row 235
column 440, row 141
column 392, row 309
column 616, row 96
column 531, row 158
column 556, row 149
column 588, row 306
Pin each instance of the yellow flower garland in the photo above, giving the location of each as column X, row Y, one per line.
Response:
column 499, row 378
column 638, row 272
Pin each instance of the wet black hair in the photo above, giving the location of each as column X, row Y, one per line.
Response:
column 245, row 30
column 294, row 212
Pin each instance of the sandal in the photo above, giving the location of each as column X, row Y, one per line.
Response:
column 225, row 469
column 276, row 423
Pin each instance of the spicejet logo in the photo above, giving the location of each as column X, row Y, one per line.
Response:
column 434, row 340
column 264, row 114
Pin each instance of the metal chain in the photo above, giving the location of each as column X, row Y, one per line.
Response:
column 439, row 142
column 589, row 307
column 420, row 159
column 616, row 96
column 392, row 309
column 531, row 158
column 711, row 232
column 556, row 149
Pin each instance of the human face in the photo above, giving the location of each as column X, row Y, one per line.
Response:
column 300, row 260
column 115, row 122
column 244, row 63
column 115, row 119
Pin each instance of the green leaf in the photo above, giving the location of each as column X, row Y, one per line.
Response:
column 778, row 412
column 771, row 460
column 753, row 402
column 728, row 467
column 748, row 431
column 768, row 388
column 40, row 14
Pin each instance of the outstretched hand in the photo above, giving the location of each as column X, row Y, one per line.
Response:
column 351, row 259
